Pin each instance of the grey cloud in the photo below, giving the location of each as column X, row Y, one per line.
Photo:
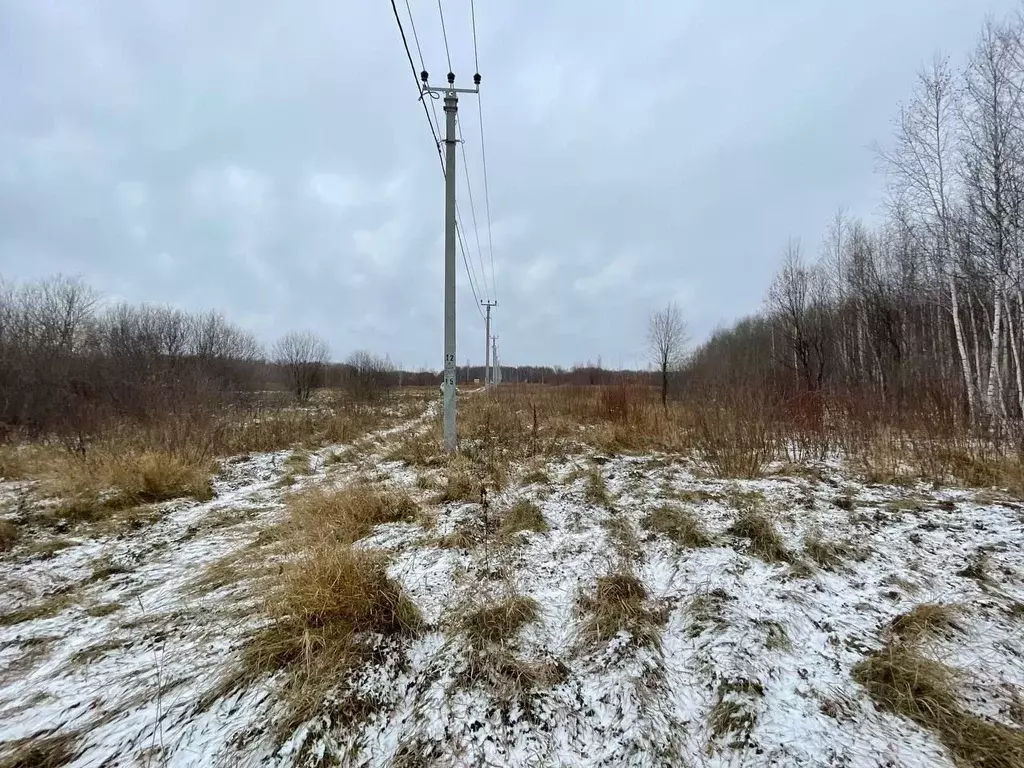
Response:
column 270, row 160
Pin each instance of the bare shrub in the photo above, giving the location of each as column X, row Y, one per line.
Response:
column 735, row 441
column 367, row 377
column 302, row 356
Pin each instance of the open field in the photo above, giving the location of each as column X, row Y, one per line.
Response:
column 588, row 583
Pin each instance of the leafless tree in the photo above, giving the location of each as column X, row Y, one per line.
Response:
column 302, row 356
column 666, row 340
column 367, row 376
column 797, row 296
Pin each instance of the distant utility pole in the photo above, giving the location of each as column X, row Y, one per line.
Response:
column 495, row 373
column 451, row 108
column 487, row 343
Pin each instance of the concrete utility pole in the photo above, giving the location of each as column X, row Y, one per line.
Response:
column 451, row 108
column 495, row 373
column 487, row 344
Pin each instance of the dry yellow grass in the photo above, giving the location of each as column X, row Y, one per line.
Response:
column 524, row 515
column 618, row 604
column 106, row 480
column 764, row 538
column 678, row 524
column 900, row 680
column 827, row 554
column 460, row 485
column 499, row 623
column 348, row 514
column 9, row 535
column 326, row 607
column 329, row 600
column 924, row 620
column 47, row 750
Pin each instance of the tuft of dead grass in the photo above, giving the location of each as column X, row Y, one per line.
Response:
column 417, row 449
column 707, row 610
column 524, row 515
column 47, row 608
column 350, row 513
column 734, row 712
column 536, row 477
column 52, row 750
column 506, row 677
column 104, row 568
column 499, row 623
column 332, row 602
column 678, row 524
column 298, row 462
column 14, row 465
column 595, row 490
column 827, row 554
column 328, row 607
column 618, row 604
column 977, row 568
column 925, row 620
column 9, row 535
column 902, row 681
column 764, row 538
column 459, row 487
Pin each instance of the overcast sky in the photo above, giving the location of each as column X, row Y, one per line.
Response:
column 270, row 160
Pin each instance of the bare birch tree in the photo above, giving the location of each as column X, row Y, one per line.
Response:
column 666, row 340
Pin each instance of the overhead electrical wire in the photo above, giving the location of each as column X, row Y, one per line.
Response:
column 444, row 33
column 472, row 210
column 434, row 132
column 483, row 155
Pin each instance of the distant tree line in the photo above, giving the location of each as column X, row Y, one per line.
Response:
column 72, row 365
column 927, row 308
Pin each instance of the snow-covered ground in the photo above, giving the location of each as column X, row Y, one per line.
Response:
column 138, row 630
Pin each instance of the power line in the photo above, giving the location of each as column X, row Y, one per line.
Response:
column 483, row 152
column 444, row 32
column 472, row 15
column 416, row 81
column 487, row 199
column 472, row 209
column 433, row 132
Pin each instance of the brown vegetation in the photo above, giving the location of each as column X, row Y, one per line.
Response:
column 618, row 604
column 524, row 515
column 499, row 623
column 50, row 750
column 678, row 524
column 902, row 681
column 331, row 601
